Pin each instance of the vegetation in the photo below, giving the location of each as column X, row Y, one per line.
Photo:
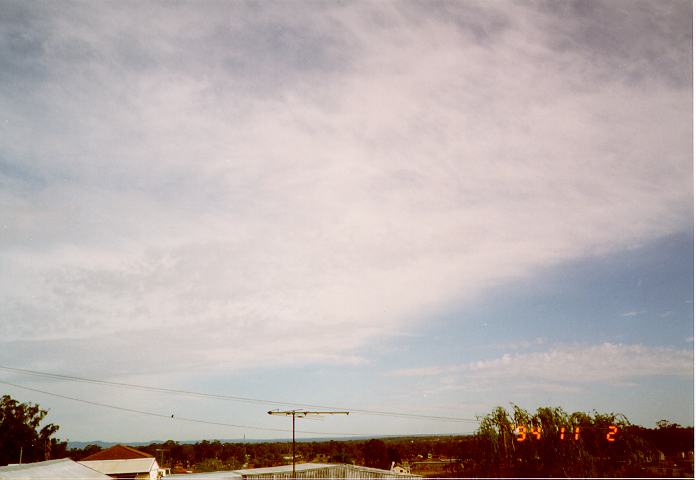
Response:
column 551, row 442
column 21, row 433
column 550, row 448
column 546, row 443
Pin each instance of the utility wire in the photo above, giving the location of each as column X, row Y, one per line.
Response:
column 173, row 417
column 234, row 398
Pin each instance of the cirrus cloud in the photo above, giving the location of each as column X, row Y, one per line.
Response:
column 307, row 184
column 571, row 364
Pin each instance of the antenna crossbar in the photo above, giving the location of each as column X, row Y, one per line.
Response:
column 301, row 414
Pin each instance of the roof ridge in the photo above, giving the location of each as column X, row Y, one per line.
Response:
column 135, row 450
column 116, row 451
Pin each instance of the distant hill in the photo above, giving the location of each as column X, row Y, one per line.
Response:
column 102, row 444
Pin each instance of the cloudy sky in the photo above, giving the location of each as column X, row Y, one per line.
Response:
column 423, row 207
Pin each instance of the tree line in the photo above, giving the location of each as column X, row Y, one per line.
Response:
column 552, row 442
column 508, row 443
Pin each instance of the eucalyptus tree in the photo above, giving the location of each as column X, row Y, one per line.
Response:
column 22, row 435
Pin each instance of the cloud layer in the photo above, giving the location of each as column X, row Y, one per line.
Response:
column 570, row 364
column 238, row 180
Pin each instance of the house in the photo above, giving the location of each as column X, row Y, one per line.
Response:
column 401, row 469
column 132, row 468
column 63, row 469
column 117, row 452
column 124, row 462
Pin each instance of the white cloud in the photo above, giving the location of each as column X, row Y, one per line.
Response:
column 568, row 364
column 243, row 181
column 522, row 344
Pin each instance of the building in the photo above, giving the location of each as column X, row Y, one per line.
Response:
column 63, row 469
column 302, row 470
column 117, row 452
column 399, row 468
column 132, row 468
column 123, row 462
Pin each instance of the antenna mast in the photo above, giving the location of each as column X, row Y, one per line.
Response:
column 299, row 414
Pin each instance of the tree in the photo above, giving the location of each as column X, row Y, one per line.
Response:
column 375, row 454
column 21, row 431
column 551, row 442
column 495, row 442
column 671, row 438
column 78, row 454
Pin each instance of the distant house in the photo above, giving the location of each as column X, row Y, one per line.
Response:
column 123, row 462
column 400, row 469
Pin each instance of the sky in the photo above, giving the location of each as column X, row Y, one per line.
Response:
column 431, row 208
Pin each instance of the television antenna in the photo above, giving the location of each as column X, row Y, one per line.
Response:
column 300, row 414
column 162, row 450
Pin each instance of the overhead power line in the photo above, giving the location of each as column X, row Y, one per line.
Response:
column 171, row 416
column 233, row 398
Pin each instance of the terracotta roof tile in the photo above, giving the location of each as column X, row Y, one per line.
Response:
column 118, row 452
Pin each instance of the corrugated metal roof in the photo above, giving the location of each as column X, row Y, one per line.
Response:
column 51, row 470
column 304, row 470
column 285, row 468
column 230, row 475
column 112, row 467
column 235, row 474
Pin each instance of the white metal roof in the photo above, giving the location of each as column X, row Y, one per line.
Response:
column 131, row 465
column 359, row 471
column 285, row 468
column 226, row 475
column 236, row 474
column 64, row 468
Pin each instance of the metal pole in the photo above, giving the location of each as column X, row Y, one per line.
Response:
column 301, row 414
column 293, row 445
column 162, row 450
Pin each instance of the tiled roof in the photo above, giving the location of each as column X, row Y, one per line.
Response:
column 118, row 452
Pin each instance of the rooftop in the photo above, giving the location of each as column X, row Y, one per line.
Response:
column 51, row 470
column 117, row 452
column 303, row 470
column 113, row 467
